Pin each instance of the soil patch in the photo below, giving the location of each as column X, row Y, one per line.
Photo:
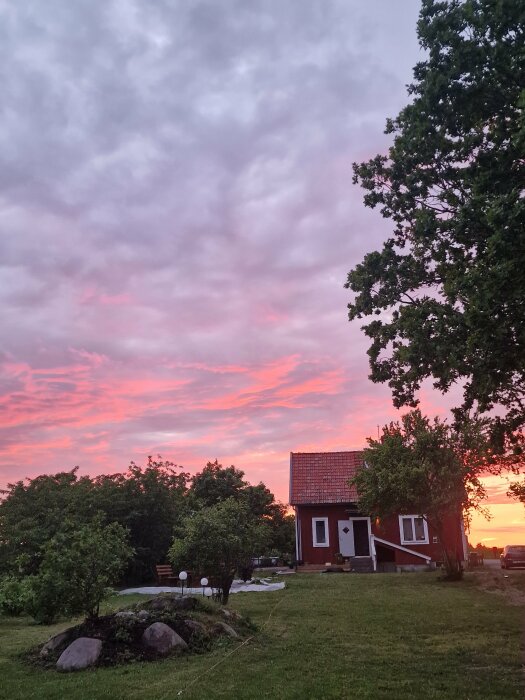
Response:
column 501, row 583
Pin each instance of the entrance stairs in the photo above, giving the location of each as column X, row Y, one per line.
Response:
column 358, row 565
column 318, row 568
column 362, row 565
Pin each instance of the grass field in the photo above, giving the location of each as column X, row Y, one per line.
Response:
column 325, row 636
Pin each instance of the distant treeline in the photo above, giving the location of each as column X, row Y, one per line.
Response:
column 150, row 502
column 485, row 551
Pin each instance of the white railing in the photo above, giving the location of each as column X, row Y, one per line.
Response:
column 373, row 551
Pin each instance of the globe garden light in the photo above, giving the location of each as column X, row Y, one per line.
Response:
column 208, row 592
column 182, row 577
column 204, row 583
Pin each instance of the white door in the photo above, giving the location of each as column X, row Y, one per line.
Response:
column 346, row 538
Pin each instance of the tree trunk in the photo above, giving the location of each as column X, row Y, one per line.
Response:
column 453, row 566
column 226, row 584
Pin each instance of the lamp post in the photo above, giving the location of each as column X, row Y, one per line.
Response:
column 208, row 592
column 182, row 577
column 204, row 583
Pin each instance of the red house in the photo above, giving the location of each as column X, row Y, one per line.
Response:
column 330, row 527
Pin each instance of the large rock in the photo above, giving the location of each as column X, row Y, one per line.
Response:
column 195, row 626
column 170, row 602
column 81, row 653
column 230, row 614
column 54, row 642
column 224, row 628
column 162, row 638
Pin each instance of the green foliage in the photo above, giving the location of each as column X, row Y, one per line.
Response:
column 148, row 502
column 446, row 291
column 216, row 483
column 517, row 490
column 218, row 541
column 32, row 512
column 15, row 595
column 77, row 567
column 427, row 468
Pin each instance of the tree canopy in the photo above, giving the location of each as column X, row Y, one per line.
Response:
column 220, row 540
column 446, row 292
column 215, row 483
column 425, row 467
column 147, row 501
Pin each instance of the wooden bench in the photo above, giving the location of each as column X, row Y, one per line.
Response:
column 165, row 575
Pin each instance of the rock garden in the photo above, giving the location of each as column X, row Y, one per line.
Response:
column 165, row 625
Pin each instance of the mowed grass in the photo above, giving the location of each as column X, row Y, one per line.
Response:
column 325, row 636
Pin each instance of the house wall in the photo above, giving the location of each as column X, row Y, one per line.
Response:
column 387, row 529
column 304, row 514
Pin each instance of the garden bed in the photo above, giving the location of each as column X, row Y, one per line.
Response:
column 122, row 637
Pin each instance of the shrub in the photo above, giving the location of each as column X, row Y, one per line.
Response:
column 15, row 595
column 77, row 568
column 219, row 540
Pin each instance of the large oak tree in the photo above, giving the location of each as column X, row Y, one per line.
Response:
column 445, row 296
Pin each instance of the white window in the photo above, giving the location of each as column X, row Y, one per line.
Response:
column 320, row 532
column 413, row 529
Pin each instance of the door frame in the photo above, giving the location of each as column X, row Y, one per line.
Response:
column 369, row 524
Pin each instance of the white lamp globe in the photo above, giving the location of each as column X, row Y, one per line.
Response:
column 204, row 581
column 183, row 576
column 208, row 592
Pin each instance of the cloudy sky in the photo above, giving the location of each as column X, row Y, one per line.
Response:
column 177, row 220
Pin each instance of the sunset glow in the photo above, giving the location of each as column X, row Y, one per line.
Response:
column 178, row 221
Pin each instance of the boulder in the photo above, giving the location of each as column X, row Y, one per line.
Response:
column 125, row 613
column 195, row 626
column 162, row 638
column 230, row 614
column 170, row 603
column 81, row 653
column 224, row 628
column 54, row 642
column 143, row 614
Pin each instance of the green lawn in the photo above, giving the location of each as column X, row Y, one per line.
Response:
column 326, row 636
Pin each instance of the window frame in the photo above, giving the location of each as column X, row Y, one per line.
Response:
column 413, row 518
column 315, row 543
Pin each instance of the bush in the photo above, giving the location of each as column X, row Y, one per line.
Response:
column 219, row 539
column 77, row 568
column 15, row 595
column 49, row 597
column 246, row 572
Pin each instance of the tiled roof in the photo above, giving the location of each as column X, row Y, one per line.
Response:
column 322, row 477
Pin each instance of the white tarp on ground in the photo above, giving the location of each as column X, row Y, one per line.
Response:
column 264, row 585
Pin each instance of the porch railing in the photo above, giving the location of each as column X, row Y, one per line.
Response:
column 373, row 551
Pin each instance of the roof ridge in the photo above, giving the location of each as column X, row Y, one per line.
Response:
column 331, row 452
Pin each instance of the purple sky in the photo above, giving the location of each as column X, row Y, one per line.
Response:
column 177, row 222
